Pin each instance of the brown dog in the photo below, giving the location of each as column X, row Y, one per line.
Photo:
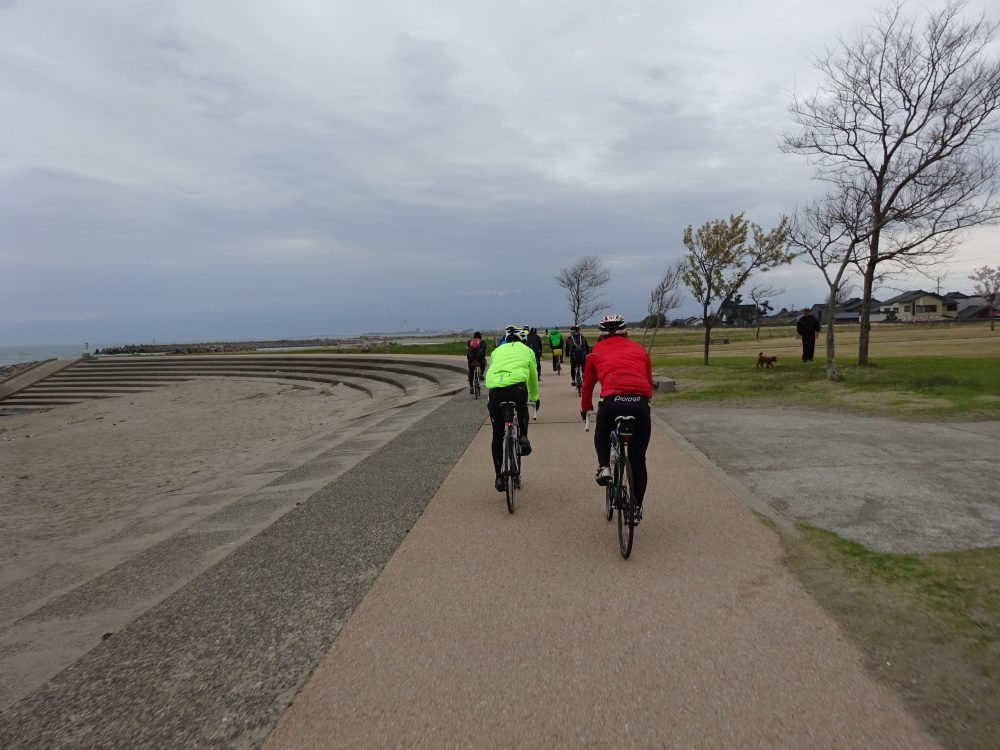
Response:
column 763, row 361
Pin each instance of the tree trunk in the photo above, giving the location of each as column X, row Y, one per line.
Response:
column 652, row 341
column 831, row 315
column 864, row 335
column 708, row 331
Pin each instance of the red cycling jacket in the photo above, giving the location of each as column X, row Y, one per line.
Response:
column 622, row 367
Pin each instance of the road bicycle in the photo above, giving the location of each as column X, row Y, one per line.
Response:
column 511, row 467
column 618, row 493
column 576, row 372
column 476, row 386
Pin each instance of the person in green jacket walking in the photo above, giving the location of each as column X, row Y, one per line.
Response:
column 511, row 376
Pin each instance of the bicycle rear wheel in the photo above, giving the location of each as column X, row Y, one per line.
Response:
column 476, row 385
column 626, row 505
column 609, row 501
column 511, row 469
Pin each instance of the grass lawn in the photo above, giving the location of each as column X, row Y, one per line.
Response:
column 915, row 372
column 927, row 624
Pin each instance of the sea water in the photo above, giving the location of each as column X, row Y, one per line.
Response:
column 12, row 355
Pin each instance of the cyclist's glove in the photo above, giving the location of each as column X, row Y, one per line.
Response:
column 538, row 404
column 583, row 414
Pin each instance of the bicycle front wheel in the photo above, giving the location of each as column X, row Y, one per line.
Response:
column 511, row 470
column 626, row 506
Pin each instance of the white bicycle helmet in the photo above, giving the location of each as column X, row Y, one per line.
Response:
column 513, row 330
column 523, row 333
column 613, row 323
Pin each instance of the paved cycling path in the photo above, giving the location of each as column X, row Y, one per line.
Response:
column 487, row 629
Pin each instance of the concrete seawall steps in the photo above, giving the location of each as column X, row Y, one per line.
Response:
column 390, row 381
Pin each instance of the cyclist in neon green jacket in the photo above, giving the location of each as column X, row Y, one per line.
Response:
column 556, row 344
column 511, row 376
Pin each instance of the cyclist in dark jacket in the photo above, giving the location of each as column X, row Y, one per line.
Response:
column 578, row 349
column 475, row 353
column 534, row 343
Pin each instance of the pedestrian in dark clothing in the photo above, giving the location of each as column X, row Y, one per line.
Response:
column 808, row 328
column 534, row 343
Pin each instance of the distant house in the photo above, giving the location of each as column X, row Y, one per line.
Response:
column 959, row 302
column 848, row 312
column 731, row 314
column 918, row 305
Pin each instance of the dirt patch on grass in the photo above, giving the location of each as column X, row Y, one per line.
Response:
column 949, row 679
column 907, row 400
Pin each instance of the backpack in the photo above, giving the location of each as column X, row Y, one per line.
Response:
column 475, row 348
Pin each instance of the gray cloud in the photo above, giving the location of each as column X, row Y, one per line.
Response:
column 223, row 170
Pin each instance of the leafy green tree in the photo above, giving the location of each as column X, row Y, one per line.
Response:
column 721, row 259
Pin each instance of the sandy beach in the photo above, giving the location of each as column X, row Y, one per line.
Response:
column 86, row 486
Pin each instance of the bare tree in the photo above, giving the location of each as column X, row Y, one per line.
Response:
column 720, row 261
column 904, row 117
column 583, row 281
column 986, row 282
column 825, row 230
column 665, row 296
column 846, row 292
column 761, row 295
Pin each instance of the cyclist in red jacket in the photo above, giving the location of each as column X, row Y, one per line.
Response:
column 626, row 376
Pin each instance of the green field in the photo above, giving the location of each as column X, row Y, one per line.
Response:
column 926, row 372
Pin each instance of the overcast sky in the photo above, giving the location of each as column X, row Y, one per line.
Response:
column 235, row 169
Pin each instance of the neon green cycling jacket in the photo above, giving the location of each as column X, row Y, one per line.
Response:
column 511, row 364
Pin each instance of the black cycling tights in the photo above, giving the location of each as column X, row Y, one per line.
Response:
column 518, row 393
column 625, row 406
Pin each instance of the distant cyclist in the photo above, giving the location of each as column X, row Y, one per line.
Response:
column 511, row 377
column 556, row 345
column 534, row 343
column 577, row 348
column 626, row 376
column 475, row 353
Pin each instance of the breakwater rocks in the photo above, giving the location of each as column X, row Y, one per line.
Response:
column 223, row 347
column 9, row 371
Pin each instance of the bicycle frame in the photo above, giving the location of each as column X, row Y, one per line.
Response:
column 477, row 373
column 511, row 466
column 621, row 437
